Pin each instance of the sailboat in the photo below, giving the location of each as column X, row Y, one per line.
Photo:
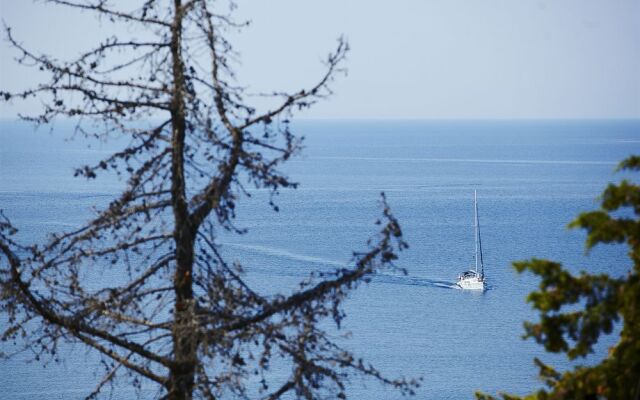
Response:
column 474, row 279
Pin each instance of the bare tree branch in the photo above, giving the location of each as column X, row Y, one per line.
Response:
column 174, row 310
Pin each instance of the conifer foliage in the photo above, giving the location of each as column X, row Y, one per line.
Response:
column 576, row 310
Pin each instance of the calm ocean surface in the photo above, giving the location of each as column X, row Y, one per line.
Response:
column 532, row 178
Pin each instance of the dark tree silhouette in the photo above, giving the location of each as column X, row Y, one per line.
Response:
column 180, row 316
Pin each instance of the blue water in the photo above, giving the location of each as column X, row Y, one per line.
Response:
column 532, row 178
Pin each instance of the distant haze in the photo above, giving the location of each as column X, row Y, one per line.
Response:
column 409, row 58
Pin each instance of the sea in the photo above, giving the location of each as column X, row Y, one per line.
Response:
column 532, row 177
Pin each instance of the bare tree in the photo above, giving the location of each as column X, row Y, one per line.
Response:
column 180, row 316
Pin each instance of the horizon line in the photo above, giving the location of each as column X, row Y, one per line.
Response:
column 401, row 119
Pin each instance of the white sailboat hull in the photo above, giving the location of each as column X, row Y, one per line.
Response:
column 471, row 283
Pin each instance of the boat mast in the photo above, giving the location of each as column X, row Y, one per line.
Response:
column 475, row 209
column 478, row 239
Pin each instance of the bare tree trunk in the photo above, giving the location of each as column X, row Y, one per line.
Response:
column 221, row 333
column 181, row 377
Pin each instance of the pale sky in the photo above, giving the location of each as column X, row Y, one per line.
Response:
column 409, row 58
